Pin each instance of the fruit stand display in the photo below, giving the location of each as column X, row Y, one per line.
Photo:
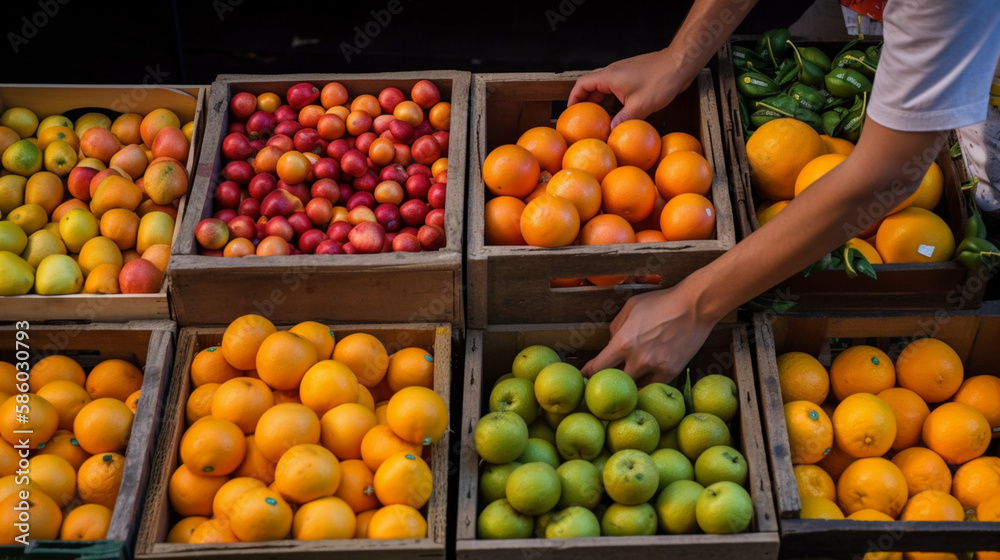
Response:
column 55, row 199
column 350, row 188
column 293, row 440
column 631, row 479
column 879, row 429
column 93, row 399
column 807, row 99
column 535, row 258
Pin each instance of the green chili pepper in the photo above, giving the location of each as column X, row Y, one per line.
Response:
column 976, row 252
column 974, row 226
column 845, row 82
column 807, row 96
column 756, row 85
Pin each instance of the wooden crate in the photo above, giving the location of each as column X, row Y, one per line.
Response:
column 489, row 353
column 975, row 335
column 112, row 100
column 147, row 344
column 947, row 285
column 508, row 284
column 386, row 287
column 157, row 517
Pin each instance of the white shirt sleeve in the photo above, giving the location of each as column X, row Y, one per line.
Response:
column 936, row 65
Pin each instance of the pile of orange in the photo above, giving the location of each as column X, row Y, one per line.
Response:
column 91, row 195
column 872, row 438
column 786, row 156
column 295, row 434
column 80, row 423
column 582, row 182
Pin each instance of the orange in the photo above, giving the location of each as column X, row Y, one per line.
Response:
column 837, row 145
column 812, row 480
column 99, row 478
column 502, row 220
column 191, row 493
column 307, row 472
column 64, row 444
column 650, row 236
column 550, row 221
column 989, row 508
column 199, row 402
column 914, row 235
column 362, row 519
column 866, row 249
column 319, row 334
column 776, row 153
column 210, row 366
column 381, row 442
column 55, row 476
column 255, row 464
column 607, row 229
column 67, row 397
column 591, row 155
column 180, row 532
column 213, row 531
column 982, row 392
column 43, row 518
column 836, row 461
column 579, row 187
column 242, row 337
column 688, row 216
column 864, row 425
column 284, row 426
column 683, row 172
column 769, row 209
column 861, row 369
column 229, row 491
column 584, row 120
column 923, row 469
column 260, row 514
column 342, row 428
column 868, row 514
column 357, row 486
column 8, row 459
column 957, row 432
column 104, row 424
column 930, row 368
column 677, row 140
column 815, row 507
column 417, row 415
column 8, row 377
column 365, row 355
column 932, row 505
column 51, row 368
column 283, row 358
column 546, row 144
column 635, row 142
column 132, row 402
column 88, row 522
column 327, row 384
column 816, row 168
column 802, row 378
column 115, row 378
column 242, row 401
column 629, row 192
column 404, row 478
column 323, row 519
column 810, row 433
column 42, row 420
column 213, row 447
column 512, row 170
column 910, row 412
column 126, row 127
column 293, row 167
column 397, row 521
column 976, row 480
column 239, row 247
column 365, row 398
column 928, row 193
column 872, row 482
column 410, row 366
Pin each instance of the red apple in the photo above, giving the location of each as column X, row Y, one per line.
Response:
column 238, row 171
column 389, row 97
column 307, row 140
column 360, row 198
column 380, row 125
column 367, row 237
column 366, row 182
column 287, row 128
column 387, row 215
column 261, row 229
column 346, row 191
column 329, row 247
column 327, row 189
column 242, row 105
column 425, row 93
column 417, row 186
column 337, row 148
column 442, row 137
column 280, row 203
column 236, row 146
column 249, row 206
column 140, row 276
column 437, row 194
column 413, row 212
column 418, row 169
column 349, row 248
column 78, row 181
column 406, row 243
column 285, row 113
column 326, row 168
column 402, row 153
column 425, row 150
column 402, row 131
column 242, row 226
column 236, row 127
column 225, row 214
column 393, row 172
column 301, row 94
column 227, row 195
column 407, row 229
column 423, row 129
column 211, row 233
column 280, row 227
column 354, row 163
column 283, row 142
column 320, row 211
column 364, row 141
column 257, row 143
column 310, row 240
column 338, row 231
column 431, row 237
column 261, row 124
column 300, row 222
column 435, row 217
column 261, row 185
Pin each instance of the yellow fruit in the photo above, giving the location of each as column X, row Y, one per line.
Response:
column 30, row 216
column 24, row 121
column 77, row 227
column 18, row 275
column 914, row 235
column 802, row 377
column 22, row 158
column 776, row 153
column 59, row 158
column 58, row 274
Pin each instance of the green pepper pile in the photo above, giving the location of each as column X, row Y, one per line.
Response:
column 975, row 251
column 778, row 78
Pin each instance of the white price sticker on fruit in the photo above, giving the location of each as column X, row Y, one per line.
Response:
column 926, row 250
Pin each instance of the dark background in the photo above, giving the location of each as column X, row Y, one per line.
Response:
column 129, row 42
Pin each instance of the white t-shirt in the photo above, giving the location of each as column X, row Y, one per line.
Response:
column 936, row 65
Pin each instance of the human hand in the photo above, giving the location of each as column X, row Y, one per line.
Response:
column 653, row 337
column 643, row 84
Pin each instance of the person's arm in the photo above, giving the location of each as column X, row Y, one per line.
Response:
column 657, row 333
column 648, row 82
